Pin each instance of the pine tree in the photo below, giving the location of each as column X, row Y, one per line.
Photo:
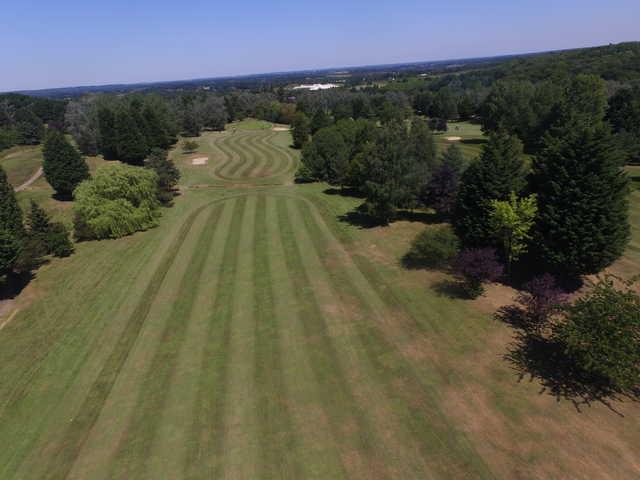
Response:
column 107, row 133
column 37, row 220
column 442, row 190
column 64, row 167
column 583, row 223
column 498, row 172
column 132, row 146
column 10, row 213
column 300, row 130
column 11, row 228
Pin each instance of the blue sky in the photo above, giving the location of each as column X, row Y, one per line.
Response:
column 48, row 43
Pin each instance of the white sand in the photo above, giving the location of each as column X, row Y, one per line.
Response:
column 281, row 129
column 453, row 139
column 200, row 161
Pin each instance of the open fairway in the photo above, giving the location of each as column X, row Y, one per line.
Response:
column 255, row 335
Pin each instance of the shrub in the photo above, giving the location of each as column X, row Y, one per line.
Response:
column 433, row 247
column 601, row 334
column 477, row 265
column 189, row 146
column 58, row 242
column 304, row 174
column 119, row 200
column 542, row 297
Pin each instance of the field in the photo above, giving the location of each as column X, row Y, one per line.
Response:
column 470, row 134
column 257, row 334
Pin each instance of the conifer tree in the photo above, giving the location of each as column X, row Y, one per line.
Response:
column 64, row 167
column 10, row 213
column 132, row 145
column 300, row 130
column 498, row 172
column 583, row 223
column 107, row 133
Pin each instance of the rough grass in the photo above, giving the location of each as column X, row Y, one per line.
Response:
column 253, row 334
column 20, row 163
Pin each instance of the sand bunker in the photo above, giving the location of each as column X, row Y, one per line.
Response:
column 453, row 139
column 199, row 161
column 281, row 129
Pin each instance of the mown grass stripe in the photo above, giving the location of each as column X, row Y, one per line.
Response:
column 171, row 441
column 240, row 145
column 230, row 157
column 315, row 448
column 134, row 449
column 255, row 158
column 241, row 447
column 426, row 422
column 277, row 439
column 204, row 450
column 348, row 421
column 76, row 433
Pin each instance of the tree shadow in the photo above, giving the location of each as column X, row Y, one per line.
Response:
column 361, row 219
column 473, row 141
column 344, row 192
column 358, row 217
column 452, row 289
column 14, row 283
column 534, row 356
column 62, row 197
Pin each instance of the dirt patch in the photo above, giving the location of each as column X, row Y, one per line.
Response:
column 280, row 129
column 199, row 161
column 453, row 139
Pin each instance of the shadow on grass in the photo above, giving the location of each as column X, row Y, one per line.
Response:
column 61, row 197
column 344, row 192
column 473, row 141
column 536, row 357
column 13, row 284
column 359, row 217
column 451, row 289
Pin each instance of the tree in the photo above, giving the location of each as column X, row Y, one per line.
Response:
column 81, row 120
column 11, row 228
column 29, row 127
column 624, row 115
column 300, row 130
column 213, row 113
column 64, row 168
column 601, row 334
column 498, row 172
column 45, row 237
column 191, row 122
column 132, row 145
column 10, row 213
column 582, row 225
column 442, row 189
column 475, row 266
column 320, row 120
column 119, row 200
column 108, row 137
column 511, row 221
column 189, row 146
column 168, row 174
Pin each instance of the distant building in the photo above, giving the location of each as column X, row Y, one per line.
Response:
column 316, row 86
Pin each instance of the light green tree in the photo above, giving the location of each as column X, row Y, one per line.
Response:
column 511, row 221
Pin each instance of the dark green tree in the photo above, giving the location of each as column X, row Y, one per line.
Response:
column 64, row 168
column 10, row 213
column 300, row 130
column 108, row 137
column 320, row 120
column 168, row 174
column 9, row 251
column 29, row 127
column 132, row 145
column 499, row 171
column 582, row 224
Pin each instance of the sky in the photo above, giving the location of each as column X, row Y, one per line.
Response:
column 46, row 44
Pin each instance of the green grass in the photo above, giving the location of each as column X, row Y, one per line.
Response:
column 255, row 335
column 20, row 163
column 250, row 124
column 471, row 134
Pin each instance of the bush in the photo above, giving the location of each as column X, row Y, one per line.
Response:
column 433, row 248
column 601, row 334
column 119, row 200
column 58, row 242
column 304, row 174
column 542, row 298
column 475, row 266
column 189, row 146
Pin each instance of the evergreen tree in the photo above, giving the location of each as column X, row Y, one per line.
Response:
column 37, row 220
column 320, row 120
column 132, row 145
column 442, row 190
column 10, row 213
column 107, row 133
column 64, row 167
column 29, row 127
column 498, row 172
column 168, row 174
column 583, row 224
column 9, row 251
column 300, row 130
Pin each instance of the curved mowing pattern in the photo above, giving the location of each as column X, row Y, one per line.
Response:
column 260, row 348
column 252, row 155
